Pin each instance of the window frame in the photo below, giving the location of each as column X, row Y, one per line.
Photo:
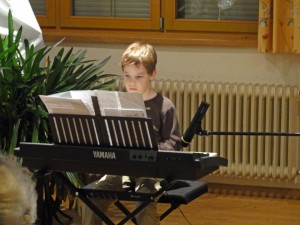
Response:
column 231, row 26
column 59, row 24
column 69, row 21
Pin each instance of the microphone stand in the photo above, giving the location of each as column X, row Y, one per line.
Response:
column 207, row 133
column 199, row 131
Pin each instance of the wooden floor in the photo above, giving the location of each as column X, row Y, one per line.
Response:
column 224, row 209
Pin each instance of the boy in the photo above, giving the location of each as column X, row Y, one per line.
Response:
column 138, row 64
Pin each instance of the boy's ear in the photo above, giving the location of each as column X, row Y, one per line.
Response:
column 153, row 75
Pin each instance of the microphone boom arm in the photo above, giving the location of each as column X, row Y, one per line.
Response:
column 207, row 133
column 195, row 128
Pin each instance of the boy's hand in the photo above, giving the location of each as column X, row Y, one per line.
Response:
column 165, row 146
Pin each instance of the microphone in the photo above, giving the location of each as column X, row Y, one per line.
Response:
column 194, row 125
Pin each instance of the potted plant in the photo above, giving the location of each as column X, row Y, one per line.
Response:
column 25, row 76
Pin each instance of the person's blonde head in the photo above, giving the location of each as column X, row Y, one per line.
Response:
column 139, row 53
column 18, row 196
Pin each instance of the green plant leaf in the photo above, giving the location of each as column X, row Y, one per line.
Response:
column 14, row 139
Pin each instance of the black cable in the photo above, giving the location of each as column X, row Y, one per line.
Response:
column 172, row 202
column 186, row 219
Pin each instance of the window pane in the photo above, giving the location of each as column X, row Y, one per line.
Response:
column 112, row 8
column 245, row 10
column 38, row 7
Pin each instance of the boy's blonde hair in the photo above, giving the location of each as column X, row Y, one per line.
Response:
column 139, row 53
column 18, row 198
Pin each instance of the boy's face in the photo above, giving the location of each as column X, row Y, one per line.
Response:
column 136, row 79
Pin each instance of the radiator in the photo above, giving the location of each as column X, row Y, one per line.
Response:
column 242, row 108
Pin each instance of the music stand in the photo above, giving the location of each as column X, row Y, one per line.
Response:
column 103, row 131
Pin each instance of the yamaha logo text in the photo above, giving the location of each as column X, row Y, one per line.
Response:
column 104, row 155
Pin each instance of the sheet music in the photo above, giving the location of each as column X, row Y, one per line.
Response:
column 62, row 105
column 114, row 103
column 111, row 103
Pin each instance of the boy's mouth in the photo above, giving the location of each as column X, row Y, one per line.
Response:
column 132, row 89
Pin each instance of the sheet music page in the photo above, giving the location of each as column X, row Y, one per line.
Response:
column 114, row 103
column 86, row 97
column 70, row 102
column 111, row 103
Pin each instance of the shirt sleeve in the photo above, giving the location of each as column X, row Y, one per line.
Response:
column 170, row 133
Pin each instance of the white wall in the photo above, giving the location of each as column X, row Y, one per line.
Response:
column 241, row 65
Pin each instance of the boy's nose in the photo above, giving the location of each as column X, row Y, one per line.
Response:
column 132, row 80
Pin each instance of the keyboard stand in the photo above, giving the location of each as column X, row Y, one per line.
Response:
column 173, row 193
column 52, row 208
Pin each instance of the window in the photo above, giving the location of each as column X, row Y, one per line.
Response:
column 245, row 10
column 111, row 14
column 44, row 11
column 238, row 16
column 108, row 8
column 217, row 22
column 39, row 7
